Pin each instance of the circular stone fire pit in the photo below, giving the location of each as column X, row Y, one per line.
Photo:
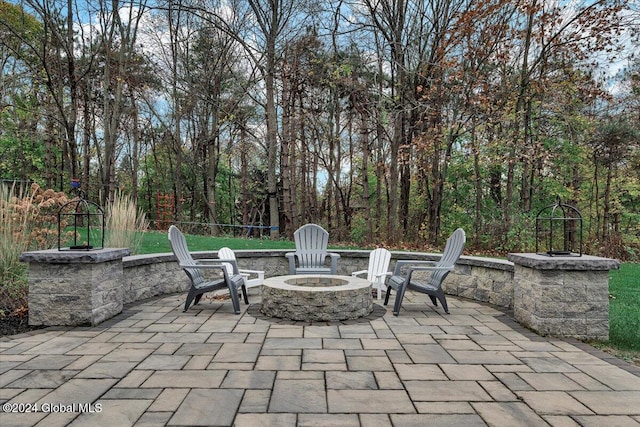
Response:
column 316, row 297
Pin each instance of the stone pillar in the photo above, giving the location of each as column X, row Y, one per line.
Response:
column 70, row 288
column 562, row 295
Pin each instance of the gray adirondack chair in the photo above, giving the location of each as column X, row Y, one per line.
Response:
column 377, row 271
column 233, row 281
column 311, row 252
column 402, row 278
column 251, row 277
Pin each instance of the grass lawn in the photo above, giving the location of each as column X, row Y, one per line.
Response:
column 624, row 286
column 624, row 308
column 157, row 242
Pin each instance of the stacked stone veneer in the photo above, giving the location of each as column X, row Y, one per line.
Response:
column 74, row 287
column 316, row 298
column 563, row 296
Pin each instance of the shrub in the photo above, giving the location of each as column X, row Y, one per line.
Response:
column 27, row 222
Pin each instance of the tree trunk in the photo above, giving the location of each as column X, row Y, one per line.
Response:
column 288, row 100
column 364, row 171
column 477, row 221
column 244, row 177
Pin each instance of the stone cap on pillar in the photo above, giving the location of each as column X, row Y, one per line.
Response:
column 54, row 256
column 545, row 262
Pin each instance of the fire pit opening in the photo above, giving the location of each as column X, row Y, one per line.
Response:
column 316, row 297
column 316, row 281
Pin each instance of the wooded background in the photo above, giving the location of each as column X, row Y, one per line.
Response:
column 388, row 122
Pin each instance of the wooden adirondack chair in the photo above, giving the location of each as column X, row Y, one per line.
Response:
column 311, row 252
column 257, row 276
column 402, row 279
column 199, row 286
column 377, row 272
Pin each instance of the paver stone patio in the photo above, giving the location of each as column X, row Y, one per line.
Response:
column 154, row 365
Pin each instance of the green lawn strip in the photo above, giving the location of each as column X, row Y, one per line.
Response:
column 157, row 242
column 624, row 307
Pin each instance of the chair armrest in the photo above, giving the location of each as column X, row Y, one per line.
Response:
column 395, row 282
column 357, row 273
column 256, row 280
column 380, row 276
column 291, row 256
column 334, row 261
column 258, row 272
column 434, row 268
column 198, row 265
column 218, row 266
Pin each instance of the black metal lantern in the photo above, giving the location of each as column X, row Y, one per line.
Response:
column 559, row 230
column 83, row 218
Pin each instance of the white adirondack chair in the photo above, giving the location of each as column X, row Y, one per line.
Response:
column 377, row 272
column 257, row 276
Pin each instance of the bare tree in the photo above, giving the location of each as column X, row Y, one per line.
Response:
column 61, row 68
column 118, row 23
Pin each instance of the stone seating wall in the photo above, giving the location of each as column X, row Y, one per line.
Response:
column 564, row 296
column 481, row 279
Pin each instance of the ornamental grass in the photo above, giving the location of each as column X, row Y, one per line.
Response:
column 125, row 224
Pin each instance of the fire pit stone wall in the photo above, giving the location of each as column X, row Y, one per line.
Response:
column 316, row 298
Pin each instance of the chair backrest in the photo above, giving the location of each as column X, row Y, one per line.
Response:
column 311, row 245
column 452, row 251
column 378, row 263
column 181, row 251
column 226, row 253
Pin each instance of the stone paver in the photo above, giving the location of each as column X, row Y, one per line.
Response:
column 508, row 413
column 298, row 396
column 369, row 401
column 208, row 407
column 154, row 365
